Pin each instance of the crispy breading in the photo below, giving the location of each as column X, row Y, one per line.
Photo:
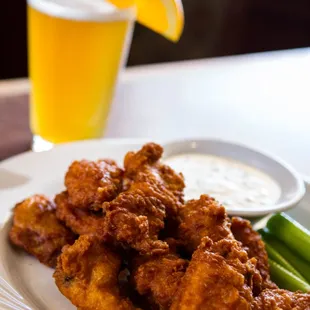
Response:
column 255, row 247
column 90, row 183
column 37, row 230
column 80, row 221
column 144, row 166
column 158, row 277
column 134, row 220
column 277, row 299
column 87, row 274
column 200, row 218
column 219, row 276
column 153, row 193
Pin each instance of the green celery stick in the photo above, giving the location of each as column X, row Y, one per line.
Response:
column 295, row 236
column 299, row 264
column 278, row 258
column 285, row 279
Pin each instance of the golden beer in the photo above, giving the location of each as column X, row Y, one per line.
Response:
column 76, row 48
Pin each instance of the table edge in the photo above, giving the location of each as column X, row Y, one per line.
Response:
column 14, row 87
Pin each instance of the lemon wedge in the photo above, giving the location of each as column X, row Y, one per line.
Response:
column 165, row 17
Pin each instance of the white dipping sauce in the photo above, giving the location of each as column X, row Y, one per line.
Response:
column 232, row 183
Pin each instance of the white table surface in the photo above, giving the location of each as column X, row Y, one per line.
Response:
column 262, row 100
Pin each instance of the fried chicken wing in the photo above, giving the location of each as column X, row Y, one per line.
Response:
column 87, row 274
column 152, row 193
column 158, row 180
column 158, row 277
column 134, row 220
column 37, row 230
column 202, row 218
column 89, row 183
column 219, row 276
column 80, row 221
column 255, row 247
column 277, row 299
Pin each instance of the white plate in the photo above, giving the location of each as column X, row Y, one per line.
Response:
column 25, row 283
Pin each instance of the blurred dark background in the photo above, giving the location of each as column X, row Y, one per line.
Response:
column 212, row 28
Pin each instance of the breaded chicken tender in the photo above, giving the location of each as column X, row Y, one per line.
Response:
column 219, row 276
column 87, row 274
column 200, row 218
column 37, row 230
column 89, row 183
column 277, row 299
column 165, row 184
column 158, row 277
column 134, row 220
column 255, row 247
column 153, row 193
column 80, row 221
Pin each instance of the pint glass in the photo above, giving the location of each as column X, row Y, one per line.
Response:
column 76, row 50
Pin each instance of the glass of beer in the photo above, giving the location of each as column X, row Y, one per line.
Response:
column 76, row 50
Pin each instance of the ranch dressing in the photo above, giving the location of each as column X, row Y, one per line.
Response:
column 232, row 183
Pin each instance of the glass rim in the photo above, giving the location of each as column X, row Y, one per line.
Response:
column 57, row 10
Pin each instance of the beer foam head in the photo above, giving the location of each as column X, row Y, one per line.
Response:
column 88, row 10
